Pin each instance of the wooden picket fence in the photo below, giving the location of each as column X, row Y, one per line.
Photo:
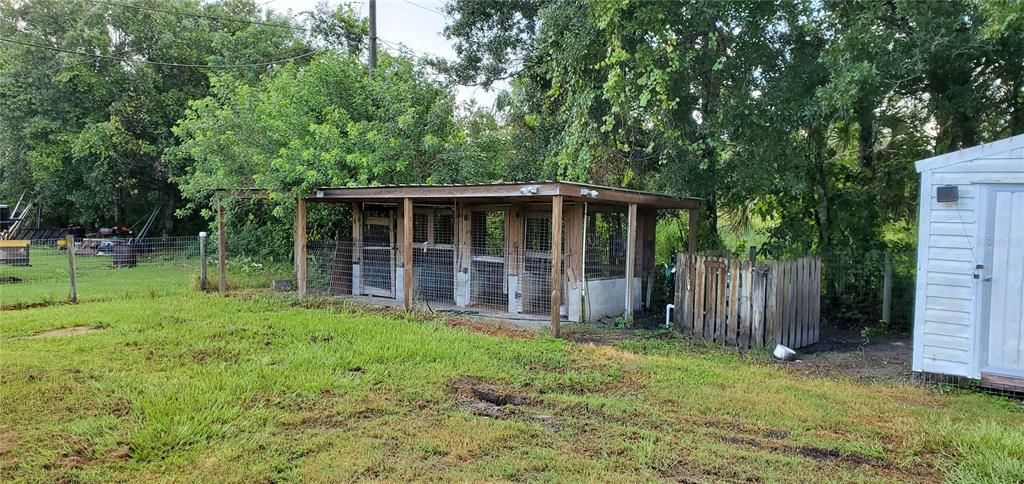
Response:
column 748, row 304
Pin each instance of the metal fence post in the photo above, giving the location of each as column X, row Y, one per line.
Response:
column 202, row 261
column 71, row 268
column 887, row 290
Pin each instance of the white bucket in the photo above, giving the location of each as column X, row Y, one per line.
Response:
column 784, row 353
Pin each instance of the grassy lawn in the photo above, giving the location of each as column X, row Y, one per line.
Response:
column 194, row 387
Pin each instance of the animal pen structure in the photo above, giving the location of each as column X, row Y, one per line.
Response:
column 546, row 250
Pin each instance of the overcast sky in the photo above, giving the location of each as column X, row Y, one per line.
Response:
column 417, row 24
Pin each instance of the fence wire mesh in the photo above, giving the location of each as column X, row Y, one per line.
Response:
column 445, row 277
column 38, row 272
column 853, row 290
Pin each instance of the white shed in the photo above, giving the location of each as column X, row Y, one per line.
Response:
column 968, row 319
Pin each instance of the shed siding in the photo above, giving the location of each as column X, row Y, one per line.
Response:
column 945, row 322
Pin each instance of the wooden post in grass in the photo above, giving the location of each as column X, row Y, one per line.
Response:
column 407, row 217
column 202, row 261
column 556, row 264
column 630, row 259
column 71, row 269
column 222, row 251
column 300, row 247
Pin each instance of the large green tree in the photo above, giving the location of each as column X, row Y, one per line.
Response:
column 88, row 95
column 804, row 115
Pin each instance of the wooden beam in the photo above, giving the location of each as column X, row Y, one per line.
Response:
column 439, row 192
column 300, row 247
column 556, row 264
column 521, row 191
column 693, row 229
column 222, row 251
column 622, row 196
column 630, row 258
column 407, row 278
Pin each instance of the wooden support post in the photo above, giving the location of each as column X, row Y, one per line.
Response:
column 72, row 270
column 222, row 251
column 887, row 290
column 556, row 264
column 515, row 256
column 630, row 259
column 407, row 277
column 573, row 262
column 357, row 248
column 202, row 261
column 693, row 229
column 464, row 254
column 300, row 247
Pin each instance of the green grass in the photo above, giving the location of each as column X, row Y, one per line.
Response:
column 47, row 281
column 202, row 388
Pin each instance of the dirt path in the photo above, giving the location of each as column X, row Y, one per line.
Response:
column 844, row 354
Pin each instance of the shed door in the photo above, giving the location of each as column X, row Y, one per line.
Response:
column 1005, row 252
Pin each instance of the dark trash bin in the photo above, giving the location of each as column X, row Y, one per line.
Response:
column 124, row 255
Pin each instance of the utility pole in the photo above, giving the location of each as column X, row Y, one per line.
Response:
column 373, row 35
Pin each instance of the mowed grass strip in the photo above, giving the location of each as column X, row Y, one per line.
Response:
column 197, row 387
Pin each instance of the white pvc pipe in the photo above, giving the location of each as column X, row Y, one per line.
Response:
column 669, row 308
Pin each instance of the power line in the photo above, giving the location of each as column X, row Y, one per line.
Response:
column 198, row 15
column 424, row 7
column 158, row 63
column 404, row 48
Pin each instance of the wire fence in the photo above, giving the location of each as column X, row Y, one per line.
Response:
column 464, row 278
column 854, row 290
column 46, row 271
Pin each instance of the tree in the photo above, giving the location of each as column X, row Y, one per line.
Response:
column 804, row 115
column 86, row 135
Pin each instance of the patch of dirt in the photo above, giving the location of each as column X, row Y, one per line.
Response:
column 72, row 331
column 31, row 305
column 689, row 471
column 492, row 328
column 735, row 432
column 844, row 354
column 8, row 441
column 71, row 462
column 487, row 400
column 601, row 335
column 120, row 453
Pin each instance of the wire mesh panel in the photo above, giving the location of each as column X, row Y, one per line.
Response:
column 434, row 255
column 489, row 281
column 107, row 268
column 378, row 261
column 536, row 264
column 605, row 245
column 33, row 272
column 329, row 267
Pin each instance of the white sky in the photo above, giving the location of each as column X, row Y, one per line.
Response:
column 416, row 24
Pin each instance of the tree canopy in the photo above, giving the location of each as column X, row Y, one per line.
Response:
column 800, row 119
column 805, row 115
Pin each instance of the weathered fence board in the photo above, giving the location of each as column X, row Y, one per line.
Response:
column 748, row 304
